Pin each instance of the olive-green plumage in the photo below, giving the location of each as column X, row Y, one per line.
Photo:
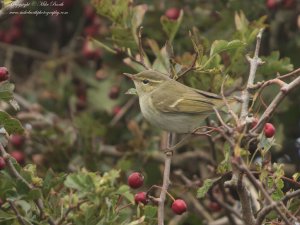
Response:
column 171, row 105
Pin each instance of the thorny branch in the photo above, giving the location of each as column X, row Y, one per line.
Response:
column 18, row 176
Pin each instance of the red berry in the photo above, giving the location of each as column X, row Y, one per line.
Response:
column 18, row 20
column 19, row 156
column 135, row 180
column 114, row 92
column 179, row 206
column 2, row 163
column 4, row 75
column 269, row 130
column 172, row 13
column 271, row 4
column 17, row 140
column 214, row 206
column 141, row 197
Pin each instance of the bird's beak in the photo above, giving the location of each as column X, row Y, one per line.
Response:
column 129, row 76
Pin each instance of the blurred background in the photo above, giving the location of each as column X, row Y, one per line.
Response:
column 71, row 90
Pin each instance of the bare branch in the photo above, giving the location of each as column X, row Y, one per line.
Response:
column 254, row 63
column 191, row 67
column 274, row 104
column 267, row 209
column 245, row 201
column 259, row 186
column 166, row 180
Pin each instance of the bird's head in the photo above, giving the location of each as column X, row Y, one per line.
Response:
column 147, row 81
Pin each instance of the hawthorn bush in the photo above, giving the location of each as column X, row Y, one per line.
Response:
column 75, row 148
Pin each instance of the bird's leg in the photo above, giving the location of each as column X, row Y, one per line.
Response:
column 183, row 141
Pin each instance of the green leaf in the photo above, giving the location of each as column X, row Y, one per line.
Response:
column 277, row 195
column 296, row 176
column 116, row 11
column 139, row 221
column 171, row 27
column 225, row 165
column 11, row 125
column 219, row 46
column 150, row 211
column 6, row 91
column 201, row 192
column 80, row 182
column 273, row 65
column 104, row 46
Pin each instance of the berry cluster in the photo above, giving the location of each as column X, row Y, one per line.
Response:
column 136, row 180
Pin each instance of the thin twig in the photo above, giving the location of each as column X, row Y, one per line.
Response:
column 14, row 208
column 166, row 180
column 259, row 186
column 254, row 63
column 141, row 51
column 274, row 104
column 267, row 209
column 234, row 116
column 17, row 175
column 123, row 111
column 24, row 51
column 66, row 213
column 191, row 67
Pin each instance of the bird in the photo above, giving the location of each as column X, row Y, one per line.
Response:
column 171, row 105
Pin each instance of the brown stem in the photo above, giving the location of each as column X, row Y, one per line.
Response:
column 166, row 181
column 245, row 201
column 17, row 175
column 267, row 209
column 14, row 208
column 274, row 104
column 259, row 186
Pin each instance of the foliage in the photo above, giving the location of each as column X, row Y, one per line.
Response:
column 84, row 135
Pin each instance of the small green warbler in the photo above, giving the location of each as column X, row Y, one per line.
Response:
column 171, row 105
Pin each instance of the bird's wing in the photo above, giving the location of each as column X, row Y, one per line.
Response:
column 184, row 100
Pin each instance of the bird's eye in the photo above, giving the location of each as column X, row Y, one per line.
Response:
column 145, row 81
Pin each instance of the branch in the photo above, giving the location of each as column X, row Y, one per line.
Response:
column 259, row 186
column 24, row 51
column 166, row 180
column 65, row 215
column 267, row 209
column 254, row 63
column 245, row 201
column 17, row 175
column 274, row 104
column 191, row 67
column 19, row 217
